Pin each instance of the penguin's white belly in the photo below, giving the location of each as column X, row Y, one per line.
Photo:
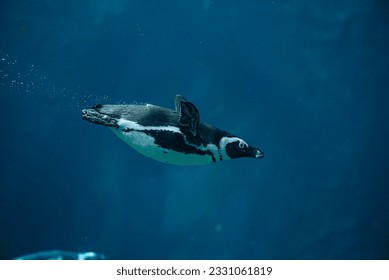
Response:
column 145, row 145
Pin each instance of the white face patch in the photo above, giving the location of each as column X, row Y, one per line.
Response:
column 226, row 140
column 145, row 144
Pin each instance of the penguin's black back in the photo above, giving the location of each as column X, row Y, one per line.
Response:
column 145, row 115
column 151, row 115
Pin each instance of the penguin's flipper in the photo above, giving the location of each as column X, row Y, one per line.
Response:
column 189, row 118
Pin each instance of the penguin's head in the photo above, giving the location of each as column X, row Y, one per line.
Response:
column 234, row 147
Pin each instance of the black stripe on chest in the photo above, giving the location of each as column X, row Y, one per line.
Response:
column 172, row 141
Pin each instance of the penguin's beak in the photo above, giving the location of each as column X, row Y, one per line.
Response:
column 259, row 154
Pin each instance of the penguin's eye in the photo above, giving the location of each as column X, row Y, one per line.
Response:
column 242, row 145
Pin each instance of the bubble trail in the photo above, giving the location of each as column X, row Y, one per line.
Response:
column 21, row 81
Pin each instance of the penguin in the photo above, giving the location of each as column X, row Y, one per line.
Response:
column 176, row 137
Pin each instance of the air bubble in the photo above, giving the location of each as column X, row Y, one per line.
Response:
column 17, row 82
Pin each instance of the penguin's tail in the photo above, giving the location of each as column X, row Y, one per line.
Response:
column 94, row 116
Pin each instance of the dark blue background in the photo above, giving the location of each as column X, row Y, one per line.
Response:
column 305, row 81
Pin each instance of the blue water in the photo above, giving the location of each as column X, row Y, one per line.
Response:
column 304, row 81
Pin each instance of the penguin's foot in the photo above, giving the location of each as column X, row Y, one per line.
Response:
column 91, row 115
